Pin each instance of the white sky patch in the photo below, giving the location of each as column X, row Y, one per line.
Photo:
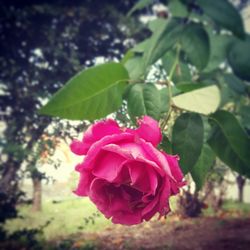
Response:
column 246, row 17
column 67, row 166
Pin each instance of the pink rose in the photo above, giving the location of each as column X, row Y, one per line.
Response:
column 124, row 173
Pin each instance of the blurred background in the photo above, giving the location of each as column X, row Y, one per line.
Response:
column 42, row 45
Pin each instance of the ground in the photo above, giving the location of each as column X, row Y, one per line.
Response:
column 229, row 229
column 206, row 233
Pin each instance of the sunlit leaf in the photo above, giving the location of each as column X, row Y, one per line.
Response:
column 203, row 100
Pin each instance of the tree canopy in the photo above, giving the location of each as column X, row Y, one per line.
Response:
column 43, row 44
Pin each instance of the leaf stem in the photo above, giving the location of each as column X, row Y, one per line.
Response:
column 168, row 84
column 164, row 123
column 176, row 61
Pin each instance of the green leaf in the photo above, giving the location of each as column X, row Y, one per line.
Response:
column 203, row 100
column 129, row 54
column 189, row 86
column 165, row 144
column 224, row 14
column 181, row 73
column 207, row 128
column 219, row 45
column 220, row 145
column 235, row 83
column 91, row 94
column 146, row 99
column 142, row 46
column 227, row 94
column 156, row 23
column 141, row 4
column 245, row 116
column 230, row 142
column 177, row 8
column 135, row 67
column 187, row 139
column 195, row 43
column 202, row 166
column 164, row 100
column 162, row 40
column 239, row 58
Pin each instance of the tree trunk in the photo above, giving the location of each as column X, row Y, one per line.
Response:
column 9, row 193
column 240, row 183
column 8, row 181
column 37, row 194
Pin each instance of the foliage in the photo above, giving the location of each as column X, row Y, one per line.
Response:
column 146, row 99
column 43, row 43
column 107, row 87
column 200, row 111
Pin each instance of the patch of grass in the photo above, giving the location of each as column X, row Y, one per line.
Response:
column 67, row 217
column 230, row 206
column 234, row 205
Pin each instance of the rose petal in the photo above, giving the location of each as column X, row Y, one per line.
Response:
column 139, row 177
column 153, row 180
column 156, row 156
column 93, row 134
column 160, row 203
column 112, row 202
column 78, row 147
column 134, row 149
column 123, row 176
column 98, row 194
column 84, row 183
column 122, row 210
column 174, row 166
column 108, row 165
column 134, row 195
column 133, row 152
column 148, row 130
column 164, row 198
column 175, row 187
column 150, row 210
column 126, row 218
column 143, row 177
column 95, row 149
